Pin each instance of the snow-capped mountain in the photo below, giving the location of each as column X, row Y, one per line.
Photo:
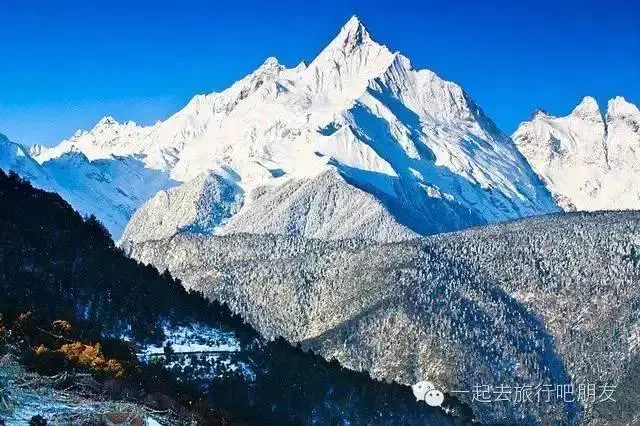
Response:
column 589, row 162
column 111, row 188
column 358, row 127
column 14, row 157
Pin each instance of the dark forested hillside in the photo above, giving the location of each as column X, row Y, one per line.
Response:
column 552, row 299
column 67, row 294
column 54, row 261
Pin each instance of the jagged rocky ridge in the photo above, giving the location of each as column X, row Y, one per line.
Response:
column 401, row 147
column 550, row 300
column 587, row 160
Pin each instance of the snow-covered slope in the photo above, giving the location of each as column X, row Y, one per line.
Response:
column 322, row 206
column 111, row 188
column 515, row 304
column 588, row 161
column 199, row 205
column 14, row 157
column 411, row 143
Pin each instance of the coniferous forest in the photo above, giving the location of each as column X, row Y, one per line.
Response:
column 73, row 304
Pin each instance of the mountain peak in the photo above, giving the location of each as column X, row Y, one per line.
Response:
column 269, row 66
column 353, row 23
column 587, row 108
column 352, row 35
column 271, row 62
column 620, row 107
column 106, row 121
column 352, row 40
column 539, row 112
column 343, row 68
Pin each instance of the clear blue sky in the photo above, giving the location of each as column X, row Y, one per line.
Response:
column 64, row 64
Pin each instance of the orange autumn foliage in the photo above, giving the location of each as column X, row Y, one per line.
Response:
column 90, row 356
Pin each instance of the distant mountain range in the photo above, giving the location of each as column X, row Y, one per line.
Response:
column 357, row 143
column 587, row 160
column 111, row 188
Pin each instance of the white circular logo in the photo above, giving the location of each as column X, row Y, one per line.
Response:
column 434, row 398
column 427, row 392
